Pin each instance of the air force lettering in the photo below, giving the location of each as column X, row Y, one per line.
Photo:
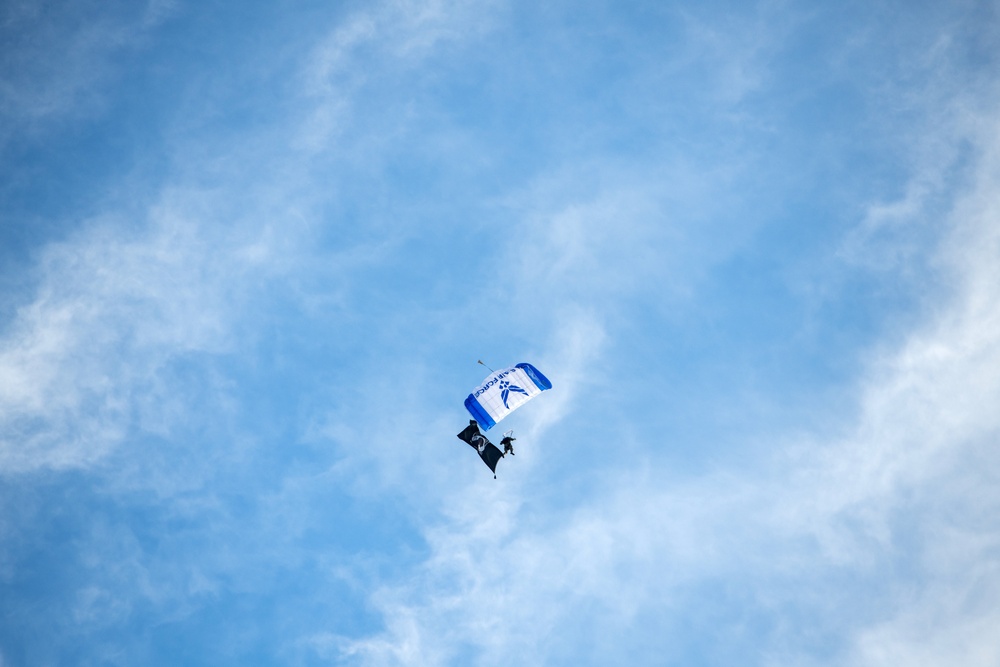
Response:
column 504, row 391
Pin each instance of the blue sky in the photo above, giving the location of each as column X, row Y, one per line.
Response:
column 250, row 254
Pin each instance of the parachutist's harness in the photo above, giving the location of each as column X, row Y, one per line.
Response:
column 507, row 443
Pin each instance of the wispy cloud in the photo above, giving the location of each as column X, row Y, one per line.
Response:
column 228, row 403
column 84, row 361
column 886, row 536
column 58, row 57
column 389, row 39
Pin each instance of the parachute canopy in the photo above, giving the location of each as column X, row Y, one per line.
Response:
column 504, row 391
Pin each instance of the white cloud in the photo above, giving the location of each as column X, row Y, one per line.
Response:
column 578, row 342
column 385, row 41
column 83, row 360
column 909, row 488
column 58, row 56
column 513, row 577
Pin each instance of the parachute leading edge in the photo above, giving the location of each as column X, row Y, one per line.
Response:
column 504, row 391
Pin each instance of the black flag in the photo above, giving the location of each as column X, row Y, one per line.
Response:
column 488, row 452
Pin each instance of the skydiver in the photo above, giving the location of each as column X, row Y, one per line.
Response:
column 508, row 446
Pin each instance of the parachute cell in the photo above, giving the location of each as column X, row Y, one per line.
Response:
column 504, row 391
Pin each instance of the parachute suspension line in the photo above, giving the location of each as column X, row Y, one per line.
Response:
column 482, row 364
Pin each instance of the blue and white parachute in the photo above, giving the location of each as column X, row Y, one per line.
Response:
column 504, row 391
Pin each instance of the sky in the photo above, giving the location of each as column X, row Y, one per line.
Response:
column 251, row 254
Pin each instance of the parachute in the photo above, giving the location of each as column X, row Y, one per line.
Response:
column 504, row 391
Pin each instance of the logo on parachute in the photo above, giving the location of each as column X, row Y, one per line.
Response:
column 506, row 388
column 493, row 381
